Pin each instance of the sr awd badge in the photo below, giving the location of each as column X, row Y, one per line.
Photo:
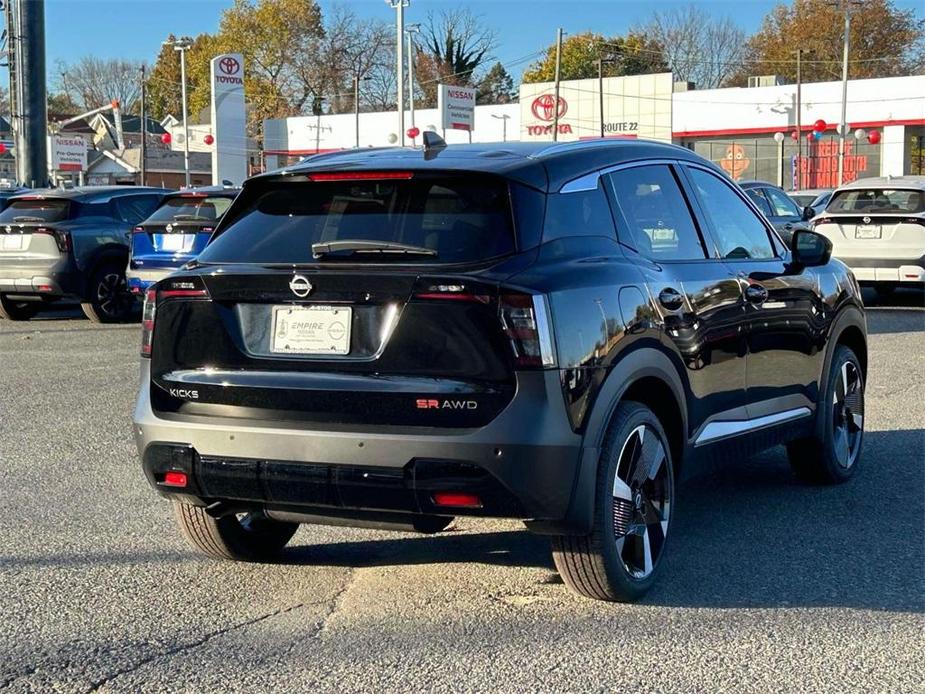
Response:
column 300, row 286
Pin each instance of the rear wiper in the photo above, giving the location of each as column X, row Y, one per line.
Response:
column 26, row 218
column 363, row 246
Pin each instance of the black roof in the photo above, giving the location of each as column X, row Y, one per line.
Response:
column 546, row 166
column 88, row 193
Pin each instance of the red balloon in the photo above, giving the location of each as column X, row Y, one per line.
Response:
column 794, row 135
column 413, row 132
column 873, row 137
column 2, row 148
column 165, row 138
column 811, row 136
column 208, row 139
column 820, row 125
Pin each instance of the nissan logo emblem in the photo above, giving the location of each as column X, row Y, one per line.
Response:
column 866, row 220
column 300, row 286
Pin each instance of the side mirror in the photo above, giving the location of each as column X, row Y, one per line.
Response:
column 808, row 213
column 810, row 249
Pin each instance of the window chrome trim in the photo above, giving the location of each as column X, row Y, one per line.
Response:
column 715, row 431
column 590, row 181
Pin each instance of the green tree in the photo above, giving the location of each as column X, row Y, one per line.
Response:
column 885, row 41
column 633, row 54
column 496, row 87
column 60, row 105
column 163, row 80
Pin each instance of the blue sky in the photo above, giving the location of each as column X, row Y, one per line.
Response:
column 134, row 29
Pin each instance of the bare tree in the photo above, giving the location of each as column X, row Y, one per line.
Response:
column 698, row 47
column 93, row 82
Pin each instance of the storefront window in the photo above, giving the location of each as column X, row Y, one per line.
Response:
column 915, row 150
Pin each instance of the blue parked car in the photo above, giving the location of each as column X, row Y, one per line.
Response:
column 175, row 233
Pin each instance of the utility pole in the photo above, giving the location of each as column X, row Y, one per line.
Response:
column 799, row 108
column 600, row 92
column 555, row 106
column 411, row 31
column 143, row 128
column 399, row 7
column 32, row 134
column 843, row 129
column 356, row 106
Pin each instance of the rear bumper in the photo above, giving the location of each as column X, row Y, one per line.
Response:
column 523, row 464
column 139, row 280
column 52, row 278
column 887, row 269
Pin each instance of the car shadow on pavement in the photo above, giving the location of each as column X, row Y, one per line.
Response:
column 746, row 534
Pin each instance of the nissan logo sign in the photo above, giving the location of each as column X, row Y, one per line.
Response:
column 229, row 65
column 300, row 286
column 545, row 106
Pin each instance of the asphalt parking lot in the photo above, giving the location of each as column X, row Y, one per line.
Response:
column 769, row 585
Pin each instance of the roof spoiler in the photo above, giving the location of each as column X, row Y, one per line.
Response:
column 433, row 144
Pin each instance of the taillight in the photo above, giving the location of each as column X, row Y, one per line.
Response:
column 452, row 292
column 138, row 230
column 526, row 322
column 62, row 238
column 147, row 322
column 360, row 176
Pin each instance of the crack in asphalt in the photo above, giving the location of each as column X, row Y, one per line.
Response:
column 98, row 684
column 334, row 604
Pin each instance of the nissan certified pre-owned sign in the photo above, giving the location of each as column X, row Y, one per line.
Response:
column 457, row 107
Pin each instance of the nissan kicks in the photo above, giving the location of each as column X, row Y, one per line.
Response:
column 70, row 244
column 546, row 332
column 175, row 233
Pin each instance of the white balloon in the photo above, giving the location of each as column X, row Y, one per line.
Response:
column 392, row 138
column 778, row 137
column 860, row 133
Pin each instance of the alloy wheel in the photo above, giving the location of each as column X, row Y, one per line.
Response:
column 848, row 414
column 642, row 493
column 112, row 295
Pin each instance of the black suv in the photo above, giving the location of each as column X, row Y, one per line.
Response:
column 544, row 332
column 70, row 243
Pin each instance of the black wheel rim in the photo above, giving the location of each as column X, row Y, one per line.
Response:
column 112, row 295
column 848, row 414
column 642, row 493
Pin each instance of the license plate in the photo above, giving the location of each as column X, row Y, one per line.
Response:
column 176, row 242
column 311, row 330
column 867, row 231
column 12, row 242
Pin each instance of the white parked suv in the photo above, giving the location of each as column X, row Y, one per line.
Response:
column 877, row 228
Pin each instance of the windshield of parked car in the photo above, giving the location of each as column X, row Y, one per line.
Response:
column 188, row 208
column 877, row 200
column 24, row 211
column 461, row 218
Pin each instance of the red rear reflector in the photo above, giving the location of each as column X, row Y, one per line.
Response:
column 360, row 176
column 175, row 479
column 457, row 500
column 46, row 288
column 181, row 293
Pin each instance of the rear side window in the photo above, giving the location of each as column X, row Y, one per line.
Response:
column 658, row 219
column 781, row 203
column 26, row 211
column 186, row 208
column 740, row 234
column 463, row 219
column 135, row 208
column 875, row 201
column 761, row 202
column 582, row 213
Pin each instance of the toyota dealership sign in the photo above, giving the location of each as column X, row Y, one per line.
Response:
column 229, row 151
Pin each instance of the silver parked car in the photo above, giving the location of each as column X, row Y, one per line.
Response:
column 877, row 227
column 816, row 198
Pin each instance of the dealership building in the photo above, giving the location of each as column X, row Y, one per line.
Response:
column 751, row 131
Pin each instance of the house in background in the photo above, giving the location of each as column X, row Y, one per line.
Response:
column 163, row 167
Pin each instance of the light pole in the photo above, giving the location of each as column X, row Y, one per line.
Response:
column 411, row 31
column 503, row 117
column 843, row 130
column 356, row 103
column 399, row 7
column 182, row 45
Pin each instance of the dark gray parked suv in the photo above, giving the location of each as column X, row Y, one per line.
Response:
column 57, row 244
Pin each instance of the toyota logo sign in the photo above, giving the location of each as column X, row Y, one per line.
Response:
column 544, row 107
column 300, row 286
column 229, row 65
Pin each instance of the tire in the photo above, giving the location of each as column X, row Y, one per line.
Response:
column 833, row 453
column 109, row 298
column 17, row 310
column 242, row 537
column 620, row 560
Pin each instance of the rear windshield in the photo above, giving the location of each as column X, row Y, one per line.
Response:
column 461, row 219
column 877, row 200
column 26, row 211
column 190, row 209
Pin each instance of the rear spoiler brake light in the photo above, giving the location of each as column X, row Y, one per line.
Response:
column 360, row 176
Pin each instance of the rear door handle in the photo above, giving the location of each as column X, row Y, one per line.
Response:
column 788, row 225
column 756, row 294
column 671, row 298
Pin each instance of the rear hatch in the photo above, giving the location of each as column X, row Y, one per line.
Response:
column 875, row 223
column 366, row 299
column 178, row 230
column 32, row 233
